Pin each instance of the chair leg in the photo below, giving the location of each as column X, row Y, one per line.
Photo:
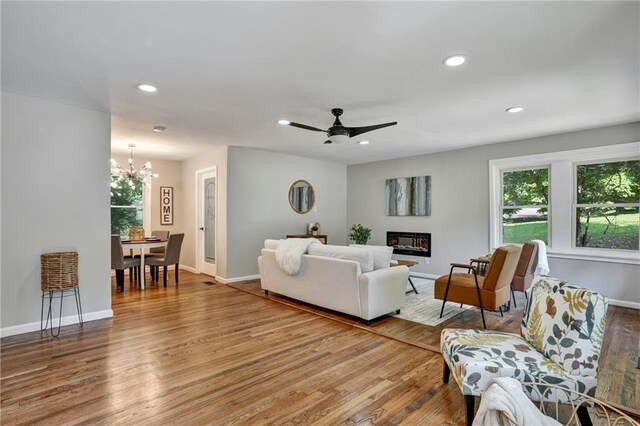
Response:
column 513, row 294
column 470, row 401
column 525, row 296
column 501, row 314
column 484, row 324
column 446, row 292
column 583, row 416
column 266, row 292
column 164, row 275
column 131, row 275
column 176, row 272
column 446, row 372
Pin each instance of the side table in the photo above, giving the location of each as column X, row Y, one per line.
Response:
column 408, row 264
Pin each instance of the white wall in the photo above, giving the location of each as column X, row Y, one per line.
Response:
column 55, row 197
column 218, row 158
column 258, row 205
column 459, row 221
column 170, row 175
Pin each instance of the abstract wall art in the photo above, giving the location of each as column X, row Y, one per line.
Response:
column 409, row 196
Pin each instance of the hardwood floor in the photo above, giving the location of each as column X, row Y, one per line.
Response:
column 618, row 377
column 198, row 353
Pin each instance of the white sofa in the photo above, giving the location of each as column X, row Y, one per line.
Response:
column 332, row 277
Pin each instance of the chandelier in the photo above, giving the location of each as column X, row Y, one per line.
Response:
column 131, row 175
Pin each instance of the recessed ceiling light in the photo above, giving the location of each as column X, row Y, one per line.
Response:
column 515, row 109
column 159, row 129
column 454, row 60
column 364, row 142
column 284, row 122
column 146, row 87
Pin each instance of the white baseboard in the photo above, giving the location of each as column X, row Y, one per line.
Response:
column 624, row 303
column 237, row 279
column 188, row 269
column 68, row 320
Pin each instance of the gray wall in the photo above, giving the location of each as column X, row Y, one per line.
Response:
column 258, row 188
column 459, row 221
column 55, row 197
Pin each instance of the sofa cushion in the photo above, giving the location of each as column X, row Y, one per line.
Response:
column 272, row 244
column 381, row 255
column 360, row 255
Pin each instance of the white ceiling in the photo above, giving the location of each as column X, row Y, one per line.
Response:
column 226, row 72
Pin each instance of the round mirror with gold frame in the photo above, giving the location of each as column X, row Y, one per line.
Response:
column 302, row 197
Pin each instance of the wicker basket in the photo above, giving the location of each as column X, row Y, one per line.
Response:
column 59, row 271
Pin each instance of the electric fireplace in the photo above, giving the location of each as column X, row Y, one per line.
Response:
column 411, row 243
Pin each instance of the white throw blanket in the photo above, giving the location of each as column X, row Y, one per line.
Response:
column 543, row 264
column 289, row 253
column 505, row 395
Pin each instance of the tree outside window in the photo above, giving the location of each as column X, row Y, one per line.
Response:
column 608, row 205
column 126, row 206
column 525, row 205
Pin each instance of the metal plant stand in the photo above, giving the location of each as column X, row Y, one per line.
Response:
column 59, row 279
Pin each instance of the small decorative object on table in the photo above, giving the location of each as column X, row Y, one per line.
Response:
column 315, row 228
column 59, row 273
column 136, row 233
column 359, row 234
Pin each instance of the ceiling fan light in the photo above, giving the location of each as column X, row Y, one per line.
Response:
column 339, row 138
column 515, row 109
column 284, row 122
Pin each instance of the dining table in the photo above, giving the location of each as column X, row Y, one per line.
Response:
column 142, row 245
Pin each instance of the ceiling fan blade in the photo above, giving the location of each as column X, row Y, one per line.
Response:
column 354, row 131
column 328, row 141
column 304, row 126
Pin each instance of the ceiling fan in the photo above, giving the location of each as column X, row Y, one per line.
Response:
column 339, row 133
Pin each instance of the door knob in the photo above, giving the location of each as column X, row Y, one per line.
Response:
column 202, row 228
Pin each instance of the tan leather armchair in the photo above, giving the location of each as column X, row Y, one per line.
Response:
column 523, row 277
column 527, row 263
column 490, row 291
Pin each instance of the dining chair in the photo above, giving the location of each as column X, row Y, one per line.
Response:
column 120, row 262
column 161, row 235
column 171, row 257
column 491, row 291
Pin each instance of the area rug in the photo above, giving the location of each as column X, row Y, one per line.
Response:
column 424, row 309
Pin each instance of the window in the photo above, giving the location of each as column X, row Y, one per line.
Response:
column 126, row 206
column 525, row 205
column 584, row 203
column 607, row 208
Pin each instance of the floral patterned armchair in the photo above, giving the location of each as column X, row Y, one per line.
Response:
column 562, row 331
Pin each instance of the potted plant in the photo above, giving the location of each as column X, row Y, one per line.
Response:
column 359, row 234
column 315, row 228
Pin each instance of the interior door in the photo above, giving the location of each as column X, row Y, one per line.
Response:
column 207, row 222
column 209, row 226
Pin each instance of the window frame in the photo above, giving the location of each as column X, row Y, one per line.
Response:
column 146, row 209
column 562, row 199
column 502, row 206
column 575, row 204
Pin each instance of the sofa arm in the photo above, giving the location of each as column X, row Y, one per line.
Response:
column 382, row 291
